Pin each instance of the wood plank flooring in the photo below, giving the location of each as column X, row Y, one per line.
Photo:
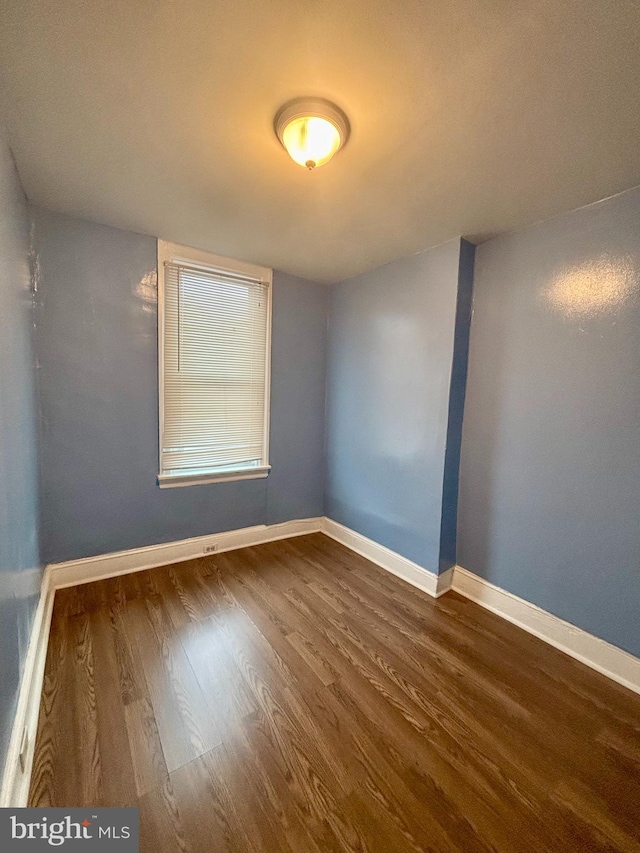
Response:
column 293, row 697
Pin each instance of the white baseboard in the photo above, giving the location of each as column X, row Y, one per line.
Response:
column 409, row 571
column 607, row 659
column 445, row 581
column 611, row 661
column 598, row 654
column 15, row 781
column 104, row 566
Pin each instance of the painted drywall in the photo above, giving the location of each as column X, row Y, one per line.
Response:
column 20, row 569
column 97, row 346
column 550, row 472
column 295, row 487
column 458, row 384
column 389, row 371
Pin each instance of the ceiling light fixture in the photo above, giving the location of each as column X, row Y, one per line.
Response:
column 312, row 130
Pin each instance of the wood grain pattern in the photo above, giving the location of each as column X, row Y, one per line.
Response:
column 294, row 697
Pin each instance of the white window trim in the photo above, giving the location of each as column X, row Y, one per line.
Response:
column 173, row 252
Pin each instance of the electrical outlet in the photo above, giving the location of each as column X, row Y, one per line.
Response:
column 24, row 749
column 210, row 549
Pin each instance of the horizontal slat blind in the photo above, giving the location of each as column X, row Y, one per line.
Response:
column 215, row 370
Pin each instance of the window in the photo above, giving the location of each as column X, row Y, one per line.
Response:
column 214, row 331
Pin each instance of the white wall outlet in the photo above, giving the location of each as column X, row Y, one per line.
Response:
column 210, row 549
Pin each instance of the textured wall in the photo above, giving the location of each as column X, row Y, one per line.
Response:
column 20, row 569
column 390, row 356
column 550, row 477
column 97, row 344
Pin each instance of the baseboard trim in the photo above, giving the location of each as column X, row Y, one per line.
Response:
column 616, row 664
column 429, row 582
column 445, row 581
column 14, row 791
column 102, row 566
column 15, row 781
column 607, row 659
column 75, row 572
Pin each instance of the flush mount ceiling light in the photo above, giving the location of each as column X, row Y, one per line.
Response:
column 312, row 130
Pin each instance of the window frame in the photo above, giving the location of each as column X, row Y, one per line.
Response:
column 175, row 253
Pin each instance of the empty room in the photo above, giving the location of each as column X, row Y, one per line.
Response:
column 320, row 426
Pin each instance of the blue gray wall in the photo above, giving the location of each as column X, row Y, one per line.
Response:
column 550, row 476
column 295, row 486
column 550, row 471
column 97, row 345
column 458, row 385
column 389, row 372
column 20, row 568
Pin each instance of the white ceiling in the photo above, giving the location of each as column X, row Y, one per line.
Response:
column 468, row 117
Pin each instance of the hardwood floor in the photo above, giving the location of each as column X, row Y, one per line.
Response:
column 294, row 697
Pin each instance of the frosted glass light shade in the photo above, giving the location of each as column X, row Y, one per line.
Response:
column 311, row 130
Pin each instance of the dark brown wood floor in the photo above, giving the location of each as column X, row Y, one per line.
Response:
column 294, row 697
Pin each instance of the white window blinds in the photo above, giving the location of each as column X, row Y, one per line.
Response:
column 215, row 365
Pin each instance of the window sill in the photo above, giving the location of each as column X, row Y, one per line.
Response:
column 172, row 481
